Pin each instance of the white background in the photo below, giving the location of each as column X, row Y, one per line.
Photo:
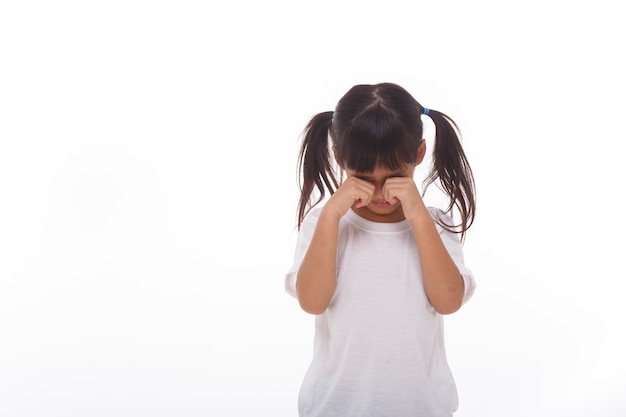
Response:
column 148, row 195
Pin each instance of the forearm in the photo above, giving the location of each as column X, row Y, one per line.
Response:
column 317, row 275
column 443, row 282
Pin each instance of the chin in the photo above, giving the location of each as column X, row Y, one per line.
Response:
column 391, row 214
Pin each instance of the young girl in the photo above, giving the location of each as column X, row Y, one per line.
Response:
column 377, row 267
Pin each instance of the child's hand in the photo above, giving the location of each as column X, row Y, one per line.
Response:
column 404, row 190
column 353, row 192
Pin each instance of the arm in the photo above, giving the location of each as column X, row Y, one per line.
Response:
column 443, row 282
column 317, row 275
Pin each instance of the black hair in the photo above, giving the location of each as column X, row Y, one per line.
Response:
column 381, row 126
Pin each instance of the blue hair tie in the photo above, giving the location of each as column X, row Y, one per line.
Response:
column 426, row 111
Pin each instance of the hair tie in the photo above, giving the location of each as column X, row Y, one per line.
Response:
column 426, row 111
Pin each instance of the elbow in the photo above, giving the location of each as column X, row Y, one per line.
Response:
column 312, row 306
column 313, row 303
column 447, row 309
column 314, row 299
column 450, row 299
column 448, row 306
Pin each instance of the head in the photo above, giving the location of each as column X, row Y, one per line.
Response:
column 379, row 127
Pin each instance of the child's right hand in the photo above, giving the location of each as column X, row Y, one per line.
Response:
column 353, row 192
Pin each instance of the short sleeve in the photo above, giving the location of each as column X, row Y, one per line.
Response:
column 452, row 243
column 302, row 244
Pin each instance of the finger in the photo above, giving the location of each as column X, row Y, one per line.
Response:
column 365, row 194
column 399, row 189
column 390, row 193
column 363, row 199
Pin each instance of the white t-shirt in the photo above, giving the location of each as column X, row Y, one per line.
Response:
column 379, row 346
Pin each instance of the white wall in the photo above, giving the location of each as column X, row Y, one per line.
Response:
column 148, row 195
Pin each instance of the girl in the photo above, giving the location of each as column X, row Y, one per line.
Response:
column 377, row 267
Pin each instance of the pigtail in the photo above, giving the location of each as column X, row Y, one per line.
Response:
column 451, row 167
column 314, row 164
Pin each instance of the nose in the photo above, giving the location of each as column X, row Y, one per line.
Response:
column 378, row 192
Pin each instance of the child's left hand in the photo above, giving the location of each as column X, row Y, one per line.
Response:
column 404, row 190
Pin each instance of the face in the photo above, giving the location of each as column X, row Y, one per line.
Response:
column 380, row 210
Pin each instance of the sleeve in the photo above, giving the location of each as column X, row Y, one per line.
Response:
column 302, row 244
column 452, row 243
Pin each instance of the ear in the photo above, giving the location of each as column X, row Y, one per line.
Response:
column 337, row 157
column 421, row 152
